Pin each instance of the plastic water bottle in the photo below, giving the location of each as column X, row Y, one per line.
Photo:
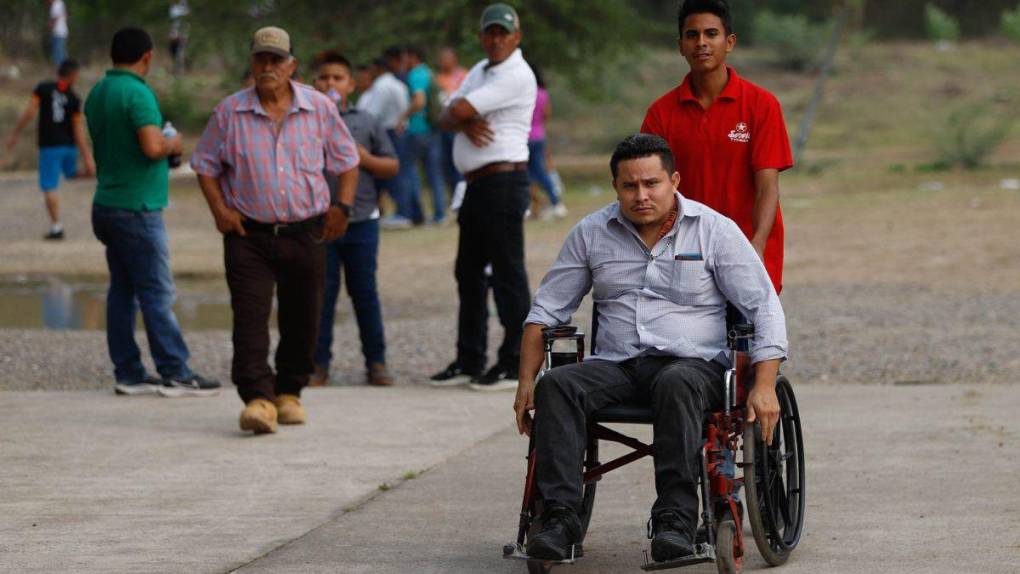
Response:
column 169, row 131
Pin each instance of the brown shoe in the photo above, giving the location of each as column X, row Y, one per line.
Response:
column 320, row 378
column 290, row 410
column 259, row 416
column 378, row 375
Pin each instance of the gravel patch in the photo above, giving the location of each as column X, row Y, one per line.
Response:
column 838, row 334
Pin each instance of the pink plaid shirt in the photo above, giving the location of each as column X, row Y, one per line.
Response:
column 275, row 178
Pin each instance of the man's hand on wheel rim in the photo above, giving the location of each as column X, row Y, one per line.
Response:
column 524, row 403
column 763, row 406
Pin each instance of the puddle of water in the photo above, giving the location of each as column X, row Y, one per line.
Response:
column 53, row 302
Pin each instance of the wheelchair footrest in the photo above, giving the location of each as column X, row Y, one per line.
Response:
column 516, row 552
column 702, row 553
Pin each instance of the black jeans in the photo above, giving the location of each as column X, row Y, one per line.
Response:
column 491, row 223
column 295, row 266
column 680, row 391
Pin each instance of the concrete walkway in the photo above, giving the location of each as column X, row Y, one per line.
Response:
column 900, row 479
column 92, row 482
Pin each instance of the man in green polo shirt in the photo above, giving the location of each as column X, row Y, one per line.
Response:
column 127, row 217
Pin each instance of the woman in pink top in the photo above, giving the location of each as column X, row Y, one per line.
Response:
column 537, row 169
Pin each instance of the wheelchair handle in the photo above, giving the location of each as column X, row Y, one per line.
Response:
column 739, row 335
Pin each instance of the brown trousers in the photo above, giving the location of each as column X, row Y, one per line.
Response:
column 295, row 266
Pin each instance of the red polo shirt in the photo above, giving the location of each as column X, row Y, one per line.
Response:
column 718, row 150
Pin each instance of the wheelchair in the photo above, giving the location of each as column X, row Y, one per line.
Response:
column 772, row 479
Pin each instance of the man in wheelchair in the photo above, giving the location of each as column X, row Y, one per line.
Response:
column 662, row 269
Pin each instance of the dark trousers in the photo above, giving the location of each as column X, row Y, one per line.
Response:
column 256, row 264
column 356, row 253
column 491, row 223
column 680, row 391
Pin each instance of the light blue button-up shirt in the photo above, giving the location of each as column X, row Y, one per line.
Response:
column 668, row 300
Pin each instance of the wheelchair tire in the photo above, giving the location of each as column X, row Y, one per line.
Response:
column 539, row 567
column 588, row 498
column 726, row 560
column 774, row 480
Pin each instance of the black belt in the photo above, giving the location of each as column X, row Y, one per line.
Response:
column 494, row 168
column 282, row 229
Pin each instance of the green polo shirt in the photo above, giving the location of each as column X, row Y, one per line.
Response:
column 116, row 108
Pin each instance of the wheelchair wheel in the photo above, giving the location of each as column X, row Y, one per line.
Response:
column 539, row 567
column 726, row 560
column 774, row 481
column 588, row 501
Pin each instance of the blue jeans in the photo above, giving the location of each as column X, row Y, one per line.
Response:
column 357, row 251
column 425, row 148
column 537, row 171
column 138, row 256
column 58, row 50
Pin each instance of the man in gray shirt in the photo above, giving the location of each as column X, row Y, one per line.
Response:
column 661, row 269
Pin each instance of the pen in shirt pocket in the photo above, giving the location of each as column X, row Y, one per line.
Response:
column 689, row 257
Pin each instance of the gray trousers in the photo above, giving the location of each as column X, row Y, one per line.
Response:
column 680, row 391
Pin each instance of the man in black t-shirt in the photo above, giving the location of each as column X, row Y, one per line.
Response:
column 61, row 137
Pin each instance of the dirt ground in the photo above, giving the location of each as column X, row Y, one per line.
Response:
column 890, row 278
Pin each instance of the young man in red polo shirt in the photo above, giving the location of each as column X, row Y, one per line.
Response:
column 728, row 135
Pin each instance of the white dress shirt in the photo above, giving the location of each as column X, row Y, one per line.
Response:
column 503, row 94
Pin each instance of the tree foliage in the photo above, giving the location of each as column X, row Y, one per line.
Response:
column 573, row 37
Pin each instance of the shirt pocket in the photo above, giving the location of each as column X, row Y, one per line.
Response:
column 691, row 283
column 312, row 158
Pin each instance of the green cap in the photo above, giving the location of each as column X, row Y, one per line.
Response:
column 502, row 15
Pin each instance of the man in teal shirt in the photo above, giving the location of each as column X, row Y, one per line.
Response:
column 127, row 217
column 424, row 143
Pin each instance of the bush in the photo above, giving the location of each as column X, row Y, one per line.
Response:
column 177, row 101
column 1011, row 24
column 796, row 42
column 970, row 135
column 939, row 26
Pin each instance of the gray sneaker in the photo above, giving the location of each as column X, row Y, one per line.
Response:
column 149, row 386
column 193, row 386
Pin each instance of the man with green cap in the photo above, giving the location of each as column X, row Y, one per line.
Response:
column 491, row 115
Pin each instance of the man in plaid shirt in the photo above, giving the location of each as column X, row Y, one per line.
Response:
column 260, row 164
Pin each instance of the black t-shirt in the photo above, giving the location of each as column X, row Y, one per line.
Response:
column 56, row 108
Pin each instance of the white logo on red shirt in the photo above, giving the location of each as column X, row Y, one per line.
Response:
column 740, row 134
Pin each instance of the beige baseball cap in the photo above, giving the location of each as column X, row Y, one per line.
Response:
column 271, row 39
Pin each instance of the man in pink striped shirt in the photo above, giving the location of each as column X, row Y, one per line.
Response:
column 260, row 164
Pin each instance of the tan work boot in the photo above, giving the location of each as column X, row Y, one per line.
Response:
column 259, row 416
column 289, row 410
column 378, row 375
column 320, row 378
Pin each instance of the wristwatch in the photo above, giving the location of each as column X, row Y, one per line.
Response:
column 343, row 207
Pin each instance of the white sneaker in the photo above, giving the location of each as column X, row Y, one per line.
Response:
column 560, row 210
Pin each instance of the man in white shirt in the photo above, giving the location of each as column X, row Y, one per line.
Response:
column 58, row 32
column 491, row 114
column 387, row 100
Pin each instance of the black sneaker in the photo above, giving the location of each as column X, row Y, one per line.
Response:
column 193, row 386
column 671, row 538
column 54, row 235
column 498, row 378
column 149, row 386
column 561, row 530
column 453, row 375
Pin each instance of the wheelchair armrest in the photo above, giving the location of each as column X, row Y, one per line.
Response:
column 561, row 332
